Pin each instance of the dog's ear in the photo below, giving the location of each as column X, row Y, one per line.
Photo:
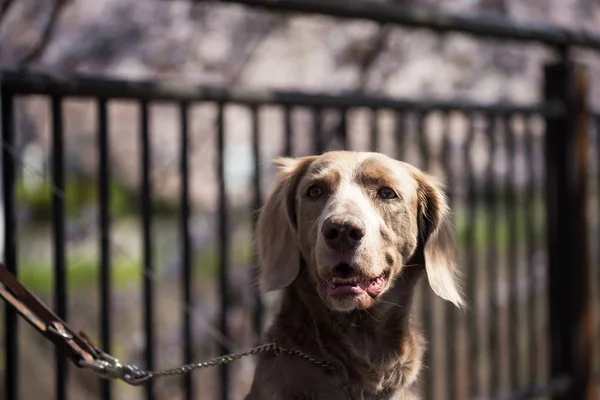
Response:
column 436, row 235
column 276, row 232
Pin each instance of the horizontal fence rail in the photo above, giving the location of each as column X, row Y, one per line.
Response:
column 81, row 86
column 480, row 25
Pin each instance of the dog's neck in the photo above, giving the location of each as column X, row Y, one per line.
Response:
column 357, row 341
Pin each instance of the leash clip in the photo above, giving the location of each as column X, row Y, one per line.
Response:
column 109, row 367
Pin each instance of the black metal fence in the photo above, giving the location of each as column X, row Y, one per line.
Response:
column 524, row 184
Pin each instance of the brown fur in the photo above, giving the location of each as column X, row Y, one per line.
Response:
column 370, row 338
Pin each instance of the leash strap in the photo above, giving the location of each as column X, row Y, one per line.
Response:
column 75, row 345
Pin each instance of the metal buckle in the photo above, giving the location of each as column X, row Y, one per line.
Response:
column 109, row 367
column 58, row 330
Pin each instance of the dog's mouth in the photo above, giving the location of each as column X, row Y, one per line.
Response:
column 357, row 285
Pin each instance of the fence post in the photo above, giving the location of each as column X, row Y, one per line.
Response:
column 11, row 326
column 570, row 305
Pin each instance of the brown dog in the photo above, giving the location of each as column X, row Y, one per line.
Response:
column 346, row 236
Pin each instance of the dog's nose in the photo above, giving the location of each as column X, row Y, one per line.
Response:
column 343, row 270
column 343, row 234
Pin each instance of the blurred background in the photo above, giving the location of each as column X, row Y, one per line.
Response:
column 493, row 162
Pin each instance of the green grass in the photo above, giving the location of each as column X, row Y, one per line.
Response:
column 81, row 192
column 83, row 273
column 503, row 228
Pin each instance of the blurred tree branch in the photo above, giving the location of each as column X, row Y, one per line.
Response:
column 496, row 6
column 273, row 25
column 4, row 8
column 46, row 35
column 363, row 54
column 377, row 46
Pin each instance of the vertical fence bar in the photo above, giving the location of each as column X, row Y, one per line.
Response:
column 104, row 226
column 492, row 257
column 512, row 252
column 426, row 300
column 344, row 128
column 449, row 314
column 423, row 141
column 146, row 208
column 288, row 147
column 58, row 224
column 569, row 301
column 186, row 249
column 597, row 155
column 530, row 220
column 544, row 340
column 374, row 132
column 223, row 249
column 470, row 261
column 400, row 135
column 318, row 130
column 11, row 365
column 257, row 203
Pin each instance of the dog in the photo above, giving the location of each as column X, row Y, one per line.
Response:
column 345, row 236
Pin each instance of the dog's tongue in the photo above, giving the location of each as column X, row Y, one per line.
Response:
column 370, row 286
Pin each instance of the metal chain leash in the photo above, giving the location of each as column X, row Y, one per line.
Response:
column 109, row 367
column 325, row 364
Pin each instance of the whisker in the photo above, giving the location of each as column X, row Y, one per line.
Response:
column 391, row 303
column 371, row 315
column 410, row 265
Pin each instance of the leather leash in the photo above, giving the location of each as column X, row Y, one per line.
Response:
column 75, row 345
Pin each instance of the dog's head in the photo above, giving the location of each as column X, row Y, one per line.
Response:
column 356, row 219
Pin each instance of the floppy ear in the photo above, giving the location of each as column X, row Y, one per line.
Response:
column 276, row 232
column 437, row 237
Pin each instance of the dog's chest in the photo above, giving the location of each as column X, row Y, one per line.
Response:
column 395, row 394
column 385, row 366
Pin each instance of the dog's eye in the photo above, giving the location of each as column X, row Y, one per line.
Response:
column 387, row 193
column 314, row 191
